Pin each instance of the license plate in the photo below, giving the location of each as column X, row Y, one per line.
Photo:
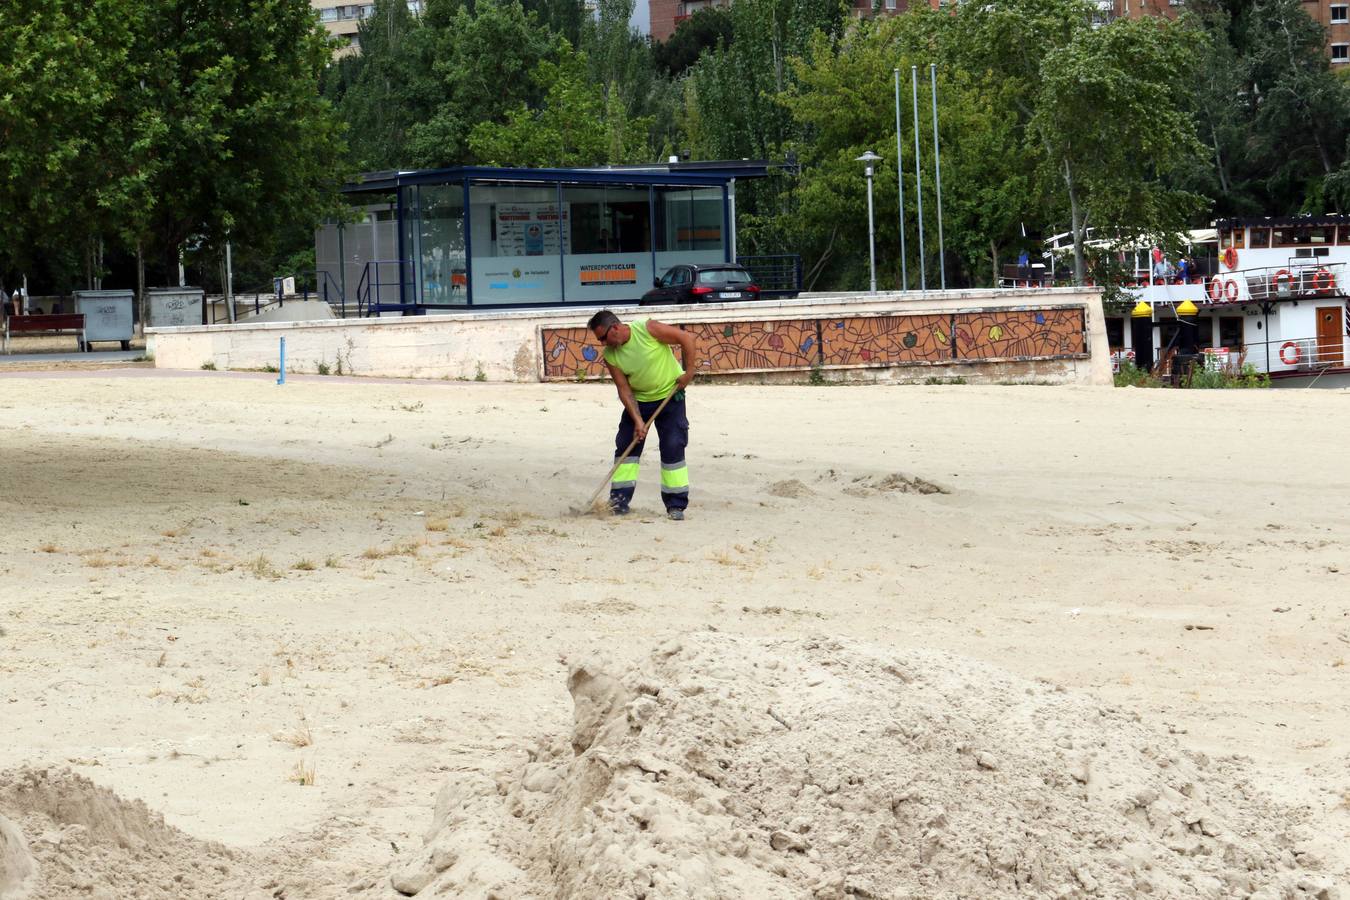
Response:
column 730, row 295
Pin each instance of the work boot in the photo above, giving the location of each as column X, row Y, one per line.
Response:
column 676, row 514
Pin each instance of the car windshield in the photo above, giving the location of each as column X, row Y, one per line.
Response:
column 723, row 276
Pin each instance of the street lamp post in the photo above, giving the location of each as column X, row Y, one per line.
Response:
column 868, row 159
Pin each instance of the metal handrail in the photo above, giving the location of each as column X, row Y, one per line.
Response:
column 365, row 304
column 775, row 274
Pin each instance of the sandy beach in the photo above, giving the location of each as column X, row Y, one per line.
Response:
column 283, row 616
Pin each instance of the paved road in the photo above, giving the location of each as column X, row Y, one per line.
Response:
column 98, row 356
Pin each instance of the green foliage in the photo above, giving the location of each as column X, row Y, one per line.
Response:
column 148, row 124
column 574, row 125
column 481, row 63
column 1245, row 377
column 709, row 28
column 1131, row 375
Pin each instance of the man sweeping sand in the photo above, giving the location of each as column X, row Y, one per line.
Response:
column 645, row 371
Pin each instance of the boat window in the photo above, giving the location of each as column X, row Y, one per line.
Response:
column 1230, row 332
column 1260, row 238
column 1234, row 238
column 1288, row 236
column 1321, row 235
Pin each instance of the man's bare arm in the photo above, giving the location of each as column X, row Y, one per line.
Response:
column 669, row 334
column 627, row 399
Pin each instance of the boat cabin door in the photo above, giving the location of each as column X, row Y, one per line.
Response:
column 1330, row 344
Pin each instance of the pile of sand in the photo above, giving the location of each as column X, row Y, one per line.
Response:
column 731, row 767
column 83, row 840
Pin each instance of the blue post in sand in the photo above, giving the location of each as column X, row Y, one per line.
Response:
column 281, row 379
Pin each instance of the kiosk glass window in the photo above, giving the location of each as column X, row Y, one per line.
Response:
column 439, row 251
column 610, row 252
column 690, row 227
column 517, row 235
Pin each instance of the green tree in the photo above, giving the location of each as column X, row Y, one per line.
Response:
column 574, row 126
column 385, row 89
column 78, row 156
column 1105, row 109
column 621, row 62
column 482, row 61
column 1300, row 109
column 707, row 29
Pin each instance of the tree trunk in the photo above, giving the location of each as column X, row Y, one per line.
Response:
column 993, row 259
column 1076, row 214
column 1218, row 159
column 140, row 286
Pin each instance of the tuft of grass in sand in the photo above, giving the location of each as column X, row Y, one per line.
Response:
column 437, row 525
column 332, row 562
column 408, row 547
column 265, row 676
column 262, row 567
column 297, row 737
column 303, row 774
column 98, row 561
column 304, row 565
column 49, row 547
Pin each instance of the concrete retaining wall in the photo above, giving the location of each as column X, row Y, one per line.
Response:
column 509, row 345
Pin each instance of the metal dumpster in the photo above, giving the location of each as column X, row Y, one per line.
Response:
column 176, row 306
column 107, row 316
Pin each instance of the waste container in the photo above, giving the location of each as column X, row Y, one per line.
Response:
column 176, row 306
column 107, row 316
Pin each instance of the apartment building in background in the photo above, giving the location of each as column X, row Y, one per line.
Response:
column 666, row 15
column 1333, row 15
column 341, row 17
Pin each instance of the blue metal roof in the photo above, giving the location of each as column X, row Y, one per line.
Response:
column 373, row 182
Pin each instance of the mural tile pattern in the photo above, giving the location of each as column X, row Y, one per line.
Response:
column 799, row 344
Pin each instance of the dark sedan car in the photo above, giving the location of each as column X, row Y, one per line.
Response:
column 702, row 284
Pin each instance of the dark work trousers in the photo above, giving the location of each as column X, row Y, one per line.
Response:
column 672, row 431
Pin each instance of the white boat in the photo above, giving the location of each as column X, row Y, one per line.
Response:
column 1271, row 292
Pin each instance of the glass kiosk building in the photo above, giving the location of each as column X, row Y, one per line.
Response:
column 478, row 237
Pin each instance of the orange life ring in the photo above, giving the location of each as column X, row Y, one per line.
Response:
column 1323, row 281
column 1290, row 359
column 1215, row 288
column 1230, row 289
column 1275, row 282
column 1230, row 258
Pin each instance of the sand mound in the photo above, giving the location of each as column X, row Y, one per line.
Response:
column 790, row 488
column 17, row 872
column 728, row 767
column 88, row 842
column 895, row 483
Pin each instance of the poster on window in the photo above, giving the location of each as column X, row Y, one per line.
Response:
column 530, row 229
